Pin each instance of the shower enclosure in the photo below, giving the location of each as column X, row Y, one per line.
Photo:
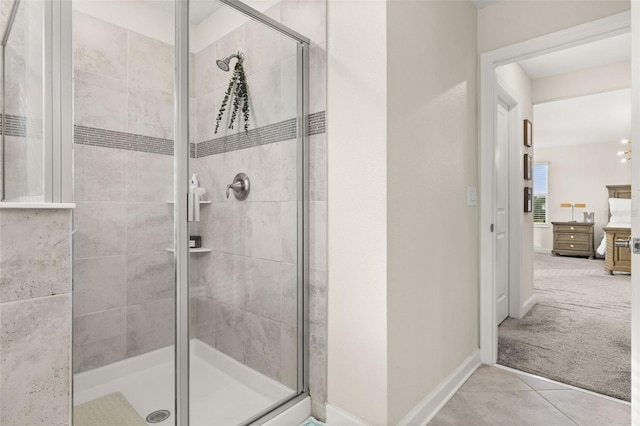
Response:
column 189, row 250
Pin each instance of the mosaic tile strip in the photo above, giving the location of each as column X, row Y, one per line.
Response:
column 120, row 140
column 278, row 132
column 272, row 133
column 21, row 126
column 317, row 123
column 282, row 131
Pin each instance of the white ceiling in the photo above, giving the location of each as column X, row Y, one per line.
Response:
column 598, row 53
column 605, row 117
column 199, row 10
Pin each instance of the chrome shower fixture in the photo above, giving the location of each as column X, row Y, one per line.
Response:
column 223, row 64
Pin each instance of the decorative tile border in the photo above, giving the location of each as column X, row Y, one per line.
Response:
column 21, row 126
column 317, row 123
column 120, row 140
column 278, row 132
column 282, row 131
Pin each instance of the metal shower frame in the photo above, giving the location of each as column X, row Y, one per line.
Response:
column 181, row 227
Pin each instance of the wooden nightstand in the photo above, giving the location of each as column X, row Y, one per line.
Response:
column 573, row 239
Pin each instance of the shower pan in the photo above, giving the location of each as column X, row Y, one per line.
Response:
column 190, row 259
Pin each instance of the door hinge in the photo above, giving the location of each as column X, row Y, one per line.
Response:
column 491, row 227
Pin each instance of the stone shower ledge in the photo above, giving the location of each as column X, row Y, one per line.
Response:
column 43, row 206
column 194, row 250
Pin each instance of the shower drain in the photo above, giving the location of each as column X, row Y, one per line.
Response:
column 158, row 416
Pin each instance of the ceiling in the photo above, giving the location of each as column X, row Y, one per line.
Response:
column 199, row 10
column 590, row 55
column 600, row 118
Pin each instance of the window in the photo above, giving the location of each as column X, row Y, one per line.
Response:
column 540, row 188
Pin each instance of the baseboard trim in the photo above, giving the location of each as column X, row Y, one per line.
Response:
column 427, row 409
column 541, row 250
column 527, row 305
column 339, row 417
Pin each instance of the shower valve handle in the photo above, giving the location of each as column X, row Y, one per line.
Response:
column 236, row 186
column 240, row 186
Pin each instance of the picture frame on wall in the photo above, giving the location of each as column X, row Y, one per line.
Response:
column 528, row 199
column 528, row 133
column 528, row 167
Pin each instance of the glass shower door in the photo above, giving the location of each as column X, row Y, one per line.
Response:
column 245, row 168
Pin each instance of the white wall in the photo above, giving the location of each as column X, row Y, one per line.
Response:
column 357, row 208
column 432, row 234
column 578, row 174
column 509, row 22
column 517, row 81
column 601, row 79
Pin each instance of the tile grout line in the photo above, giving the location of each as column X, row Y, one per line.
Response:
column 558, row 408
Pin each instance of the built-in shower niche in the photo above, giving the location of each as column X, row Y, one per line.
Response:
column 244, row 291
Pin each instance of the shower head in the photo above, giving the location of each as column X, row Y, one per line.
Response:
column 223, row 64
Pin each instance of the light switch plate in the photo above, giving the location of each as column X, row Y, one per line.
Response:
column 472, row 199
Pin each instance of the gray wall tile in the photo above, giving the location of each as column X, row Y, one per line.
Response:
column 318, row 234
column 99, row 47
column 318, row 168
column 98, row 326
column 318, row 302
column 231, row 333
column 35, row 253
column 266, row 232
column 99, row 284
column 100, row 174
column 35, row 345
column 149, row 227
column 263, row 294
column 100, row 101
column 101, row 229
column 263, row 345
column 318, row 368
column 150, row 326
column 98, row 354
column 150, row 276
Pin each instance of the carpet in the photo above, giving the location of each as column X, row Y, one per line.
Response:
column 579, row 332
column 108, row 410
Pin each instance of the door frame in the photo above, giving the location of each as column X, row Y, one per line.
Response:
column 509, row 97
column 589, row 32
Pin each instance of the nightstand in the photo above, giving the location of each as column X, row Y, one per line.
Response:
column 573, row 239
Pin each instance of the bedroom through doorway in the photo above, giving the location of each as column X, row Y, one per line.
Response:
column 573, row 320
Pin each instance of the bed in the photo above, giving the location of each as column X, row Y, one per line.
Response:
column 617, row 259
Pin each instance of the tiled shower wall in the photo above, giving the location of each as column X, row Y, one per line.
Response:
column 247, row 286
column 244, row 289
column 24, row 56
column 35, row 316
column 123, row 276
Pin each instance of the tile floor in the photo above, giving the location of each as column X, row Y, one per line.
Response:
column 496, row 396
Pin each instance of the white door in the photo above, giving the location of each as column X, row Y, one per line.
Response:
column 502, row 213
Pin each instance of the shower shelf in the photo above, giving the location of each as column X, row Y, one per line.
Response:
column 201, row 202
column 193, row 250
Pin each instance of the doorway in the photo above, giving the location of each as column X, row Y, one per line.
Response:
column 489, row 313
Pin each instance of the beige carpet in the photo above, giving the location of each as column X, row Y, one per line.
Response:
column 109, row 410
column 579, row 332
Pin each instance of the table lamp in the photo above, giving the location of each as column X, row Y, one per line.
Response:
column 573, row 207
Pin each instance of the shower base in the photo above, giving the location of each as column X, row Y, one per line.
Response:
column 223, row 391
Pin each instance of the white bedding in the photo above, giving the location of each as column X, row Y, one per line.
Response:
column 603, row 245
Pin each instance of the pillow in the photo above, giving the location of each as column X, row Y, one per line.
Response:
column 620, row 209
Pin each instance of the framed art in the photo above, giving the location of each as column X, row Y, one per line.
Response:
column 528, row 199
column 528, row 167
column 528, row 133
